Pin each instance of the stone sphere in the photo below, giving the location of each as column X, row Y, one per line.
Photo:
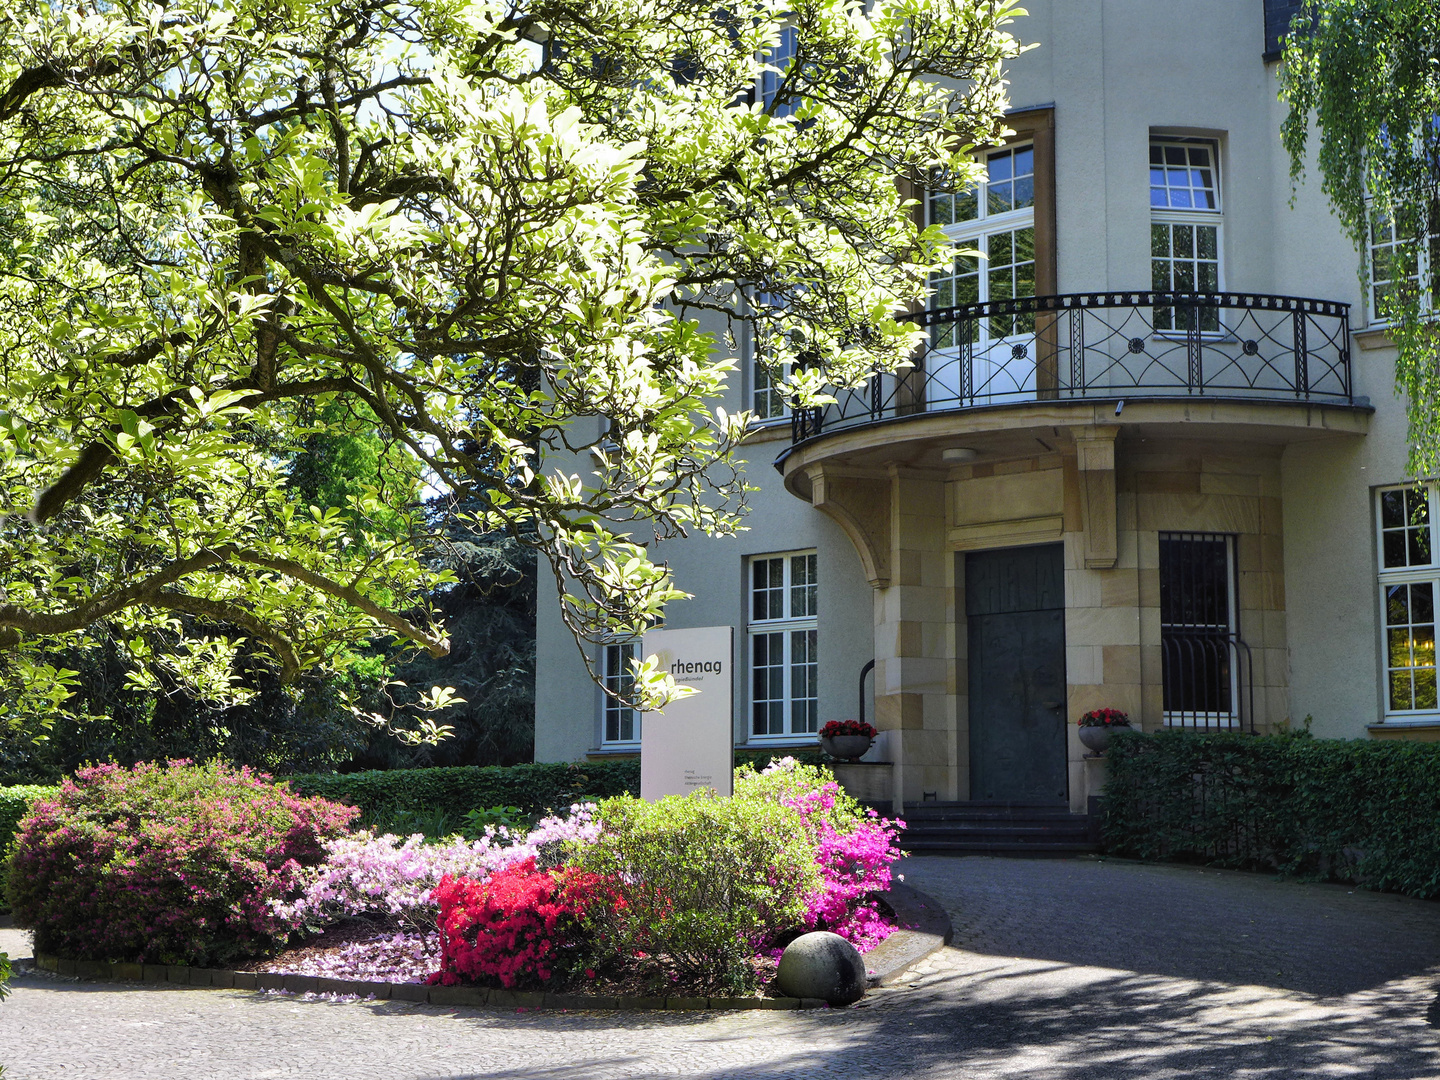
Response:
column 822, row 965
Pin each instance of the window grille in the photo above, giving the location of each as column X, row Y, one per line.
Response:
column 1200, row 642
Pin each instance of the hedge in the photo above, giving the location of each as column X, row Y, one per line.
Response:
column 14, row 802
column 454, row 791
column 1364, row 811
column 447, row 792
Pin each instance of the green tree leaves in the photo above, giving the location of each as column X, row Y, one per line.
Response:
column 233, row 233
column 1366, row 75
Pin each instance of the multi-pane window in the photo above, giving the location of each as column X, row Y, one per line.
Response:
column 1198, row 629
column 621, row 723
column 767, row 399
column 1408, row 578
column 1396, row 267
column 997, row 218
column 771, row 82
column 1184, row 227
column 784, row 665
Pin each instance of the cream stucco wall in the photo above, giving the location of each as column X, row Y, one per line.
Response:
column 1114, row 71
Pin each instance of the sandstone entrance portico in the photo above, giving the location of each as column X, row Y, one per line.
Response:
column 1159, row 507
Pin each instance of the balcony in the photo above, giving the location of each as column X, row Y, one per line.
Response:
column 1245, row 366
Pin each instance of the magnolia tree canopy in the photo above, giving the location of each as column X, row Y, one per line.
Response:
column 486, row 230
column 1364, row 76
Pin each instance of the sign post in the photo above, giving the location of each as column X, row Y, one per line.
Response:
column 690, row 744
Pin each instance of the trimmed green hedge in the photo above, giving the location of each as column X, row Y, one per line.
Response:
column 416, row 797
column 450, row 793
column 1363, row 811
column 14, row 802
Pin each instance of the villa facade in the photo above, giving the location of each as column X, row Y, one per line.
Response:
column 1096, row 487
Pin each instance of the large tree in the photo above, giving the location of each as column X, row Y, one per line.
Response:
column 1364, row 75
column 489, row 228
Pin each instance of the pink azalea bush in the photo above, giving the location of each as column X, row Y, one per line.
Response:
column 855, row 847
column 396, row 879
column 175, row 863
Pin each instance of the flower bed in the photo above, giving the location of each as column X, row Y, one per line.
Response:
column 682, row 896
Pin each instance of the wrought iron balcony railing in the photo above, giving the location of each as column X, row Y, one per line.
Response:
column 1108, row 345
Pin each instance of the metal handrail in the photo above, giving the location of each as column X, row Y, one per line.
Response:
column 1108, row 345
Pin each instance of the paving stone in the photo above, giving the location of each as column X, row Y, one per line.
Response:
column 246, row 980
column 301, row 984
column 409, row 992
column 127, row 972
column 155, row 973
column 1060, row 970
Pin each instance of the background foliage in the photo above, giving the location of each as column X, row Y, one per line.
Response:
column 235, row 234
column 1362, row 77
column 1363, row 811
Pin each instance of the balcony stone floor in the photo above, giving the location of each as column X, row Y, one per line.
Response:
column 1060, row 969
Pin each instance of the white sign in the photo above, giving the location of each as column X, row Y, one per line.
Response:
column 690, row 744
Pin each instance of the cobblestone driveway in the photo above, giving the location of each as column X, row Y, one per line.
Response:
column 1064, row 970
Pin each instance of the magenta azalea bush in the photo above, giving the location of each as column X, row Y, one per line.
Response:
column 855, row 848
column 174, row 864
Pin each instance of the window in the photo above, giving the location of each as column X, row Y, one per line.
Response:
column 767, row 396
column 1408, row 577
column 781, row 57
column 1199, row 633
column 1392, row 268
column 997, row 218
column 1185, row 226
column 621, row 724
column 784, row 665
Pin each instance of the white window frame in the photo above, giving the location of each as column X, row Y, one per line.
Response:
column 767, row 394
column 780, row 57
column 1427, row 573
column 1427, row 266
column 615, row 678
column 975, row 233
column 785, row 626
column 1212, row 218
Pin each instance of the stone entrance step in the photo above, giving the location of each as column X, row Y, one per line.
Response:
column 1018, row 829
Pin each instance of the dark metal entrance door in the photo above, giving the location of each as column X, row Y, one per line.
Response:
column 1015, row 613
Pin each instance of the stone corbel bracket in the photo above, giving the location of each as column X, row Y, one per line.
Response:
column 1095, row 459
column 860, row 504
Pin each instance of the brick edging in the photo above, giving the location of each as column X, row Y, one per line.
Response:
column 905, row 947
column 381, row 991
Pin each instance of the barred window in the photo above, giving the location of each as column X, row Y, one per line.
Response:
column 1199, row 630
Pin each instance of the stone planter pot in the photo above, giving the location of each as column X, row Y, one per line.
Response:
column 1096, row 739
column 846, row 747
